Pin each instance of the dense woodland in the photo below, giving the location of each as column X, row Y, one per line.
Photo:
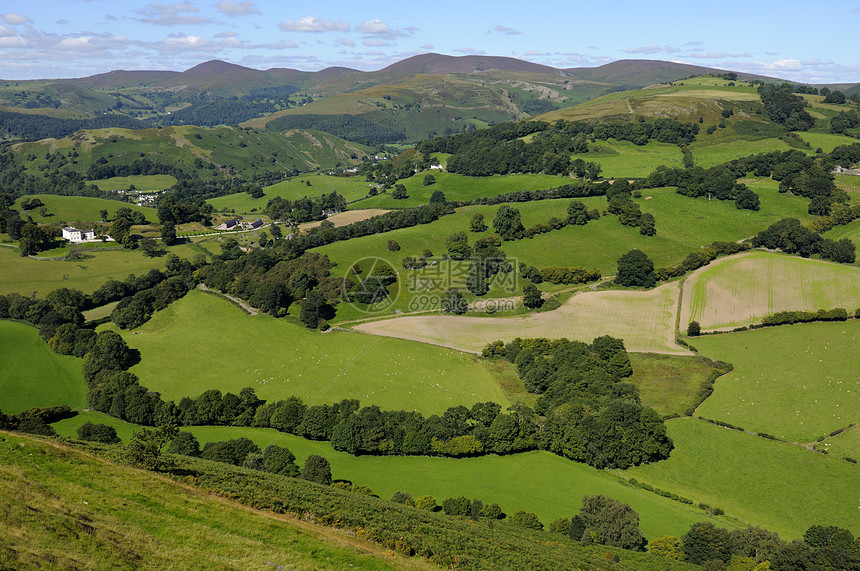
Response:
column 350, row 127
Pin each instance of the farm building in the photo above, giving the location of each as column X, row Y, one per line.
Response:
column 74, row 235
column 229, row 225
column 252, row 224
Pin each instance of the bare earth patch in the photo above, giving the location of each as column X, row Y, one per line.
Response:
column 348, row 217
column 644, row 319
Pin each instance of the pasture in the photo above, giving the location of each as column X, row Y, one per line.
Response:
column 850, row 231
column 31, row 374
column 644, row 319
column 845, row 444
column 278, row 358
column 668, row 383
column 141, row 183
column 712, row 152
column 740, row 290
column 352, row 188
column 27, row 276
column 540, row 482
column 826, row 141
column 778, row 486
column 795, row 382
column 72, row 209
column 623, row 159
column 347, row 217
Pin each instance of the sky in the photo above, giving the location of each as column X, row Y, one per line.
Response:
column 799, row 41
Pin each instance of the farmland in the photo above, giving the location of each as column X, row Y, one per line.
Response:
column 26, row 275
column 645, row 320
column 141, row 183
column 280, row 359
column 31, row 374
column 796, row 382
column 620, row 159
column 740, row 290
column 845, row 444
column 352, row 188
column 735, row 471
column 669, row 383
column 71, row 209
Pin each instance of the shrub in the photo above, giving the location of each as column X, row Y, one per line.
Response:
column 426, row 503
column 526, row 520
column 316, row 469
column 97, row 433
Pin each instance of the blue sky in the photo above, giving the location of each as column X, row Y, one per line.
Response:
column 801, row 41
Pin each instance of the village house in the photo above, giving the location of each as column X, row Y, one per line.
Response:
column 74, row 235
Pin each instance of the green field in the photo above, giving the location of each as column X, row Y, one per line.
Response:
column 683, row 225
column 796, row 382
column 352, row 188
column 65, row 509
column 72, row 209
column 709, row 153
column 31, row 374
column 778, row 486
column 141, row 183
column 623, row 159
column 845, row 444
column 740, row 290
column 26, row 276
column 645, row 320
column 850, row 231
column 826, row 141
column 540, row 482
column 668, row 383
column 278, row 359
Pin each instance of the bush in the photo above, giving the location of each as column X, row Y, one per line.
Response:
column 316, row 469
column 694, row 329
column 426, row 503
column 404, row 498
column 97, row 433
column 186, row 444
column 526, row 520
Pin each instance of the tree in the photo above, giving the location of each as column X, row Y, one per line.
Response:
column 704, row 542
column 393, row 246
column 526, row 519
column 185, row 444
column 438, row 197
column 614, row 523
column 404, row 498
column 647, row 226
column 457, row 506
column 149, row 247
column 532, row 296
column 399, row 192
column 508, row 223
column 97, row 433
column 145, row 447
column 593, row 170
column 477, row 223
column 745, row 199
column 280, row 460
column 312, row 310
column 458, row 246
column 560, row 525
column 119, row 230
column 428, row 180
column 426, row 503
column 635, row 269
column 694, row 329
column 667, row 546
column 103, row 215
column 316, row 469
column 168, row 233
column 577, row 213
column 454, row 302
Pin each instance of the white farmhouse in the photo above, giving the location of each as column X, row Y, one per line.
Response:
column 75, row 235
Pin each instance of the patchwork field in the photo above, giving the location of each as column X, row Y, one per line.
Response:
column 352, row 188
column 850, row 231
column 796, row 382
column 278, row 359
column 778, row 486
column 71, row 209
column 740, row 290
column 645, row 320
column 143, row 183
column 348, row 217
column 709, row 153
column 826, row 141
column 621, row 159
column 540, row 482
column 27, row 276
column 845, row 444
column 31, row 374
column 668, row 383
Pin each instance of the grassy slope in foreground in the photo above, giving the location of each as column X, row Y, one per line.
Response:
column 31, row 374
column 69, row 209
column 644, row 319
column 539, row 482
column 27, row 276
column 67, row 509
column 796, row 382
column 278, row 359
column 740, row 290
column 778, row 486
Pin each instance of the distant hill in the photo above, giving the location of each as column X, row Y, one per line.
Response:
column 443, row 64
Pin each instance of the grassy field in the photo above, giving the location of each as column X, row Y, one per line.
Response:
column 461, row 188
column 143, row 183
column 72, row 209
column 778, row 486
column 740, row 290
column 347, row 217
column 26, row 276
column 69, row 510
column 850, row 231
column 826, row 141
column 645, row 320
column 548, row 485
column 31, row 374
column 845, row 444
column 278, row 359
column 712, row 152
column 352, row 188
column 623, row 159
column 796, row 382
column 668, row 383
column 683, row 226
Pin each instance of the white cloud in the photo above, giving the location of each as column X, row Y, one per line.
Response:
column 376, row 26
column 283, row 45
column 183, row 43
column 345, row 42
column 375, row 43
column 6, row 32
column 226, row 35
column 785, row 64
column 14, row 42
column 238, row 8
column 16, row 19
column 428, row 47
column 179, row 14
column 652, row 49
column 504, row 30
column 314, row 25
column 470, row 51
column 62, row 21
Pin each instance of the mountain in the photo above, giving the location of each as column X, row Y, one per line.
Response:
column 442, row 64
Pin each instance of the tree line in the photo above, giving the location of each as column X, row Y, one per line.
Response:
column 34, row 126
